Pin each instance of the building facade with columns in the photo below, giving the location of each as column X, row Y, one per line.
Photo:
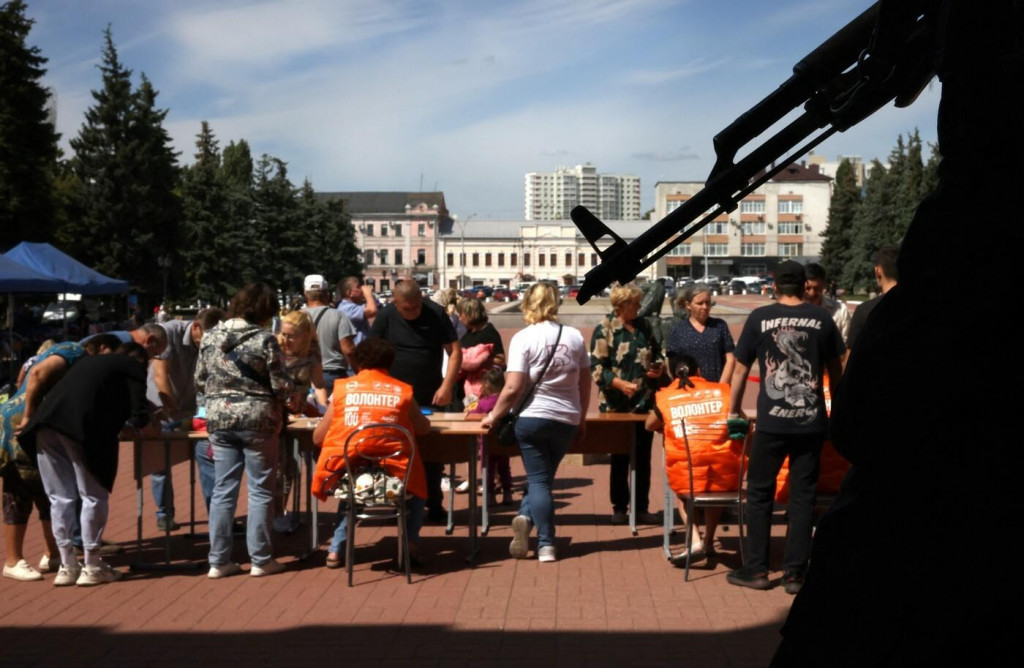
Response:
column 781, row 220
column 507, row 252
column 397, row 233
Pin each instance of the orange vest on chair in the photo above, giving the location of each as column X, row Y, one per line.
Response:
column 703, row 410
column 831, row 469
column 369, row 397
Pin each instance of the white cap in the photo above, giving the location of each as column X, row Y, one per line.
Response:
column 314, row 282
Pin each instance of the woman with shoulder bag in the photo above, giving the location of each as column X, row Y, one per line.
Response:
column 548, row 366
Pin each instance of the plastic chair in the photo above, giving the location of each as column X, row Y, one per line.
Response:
column 366, row 449
column 727, row 499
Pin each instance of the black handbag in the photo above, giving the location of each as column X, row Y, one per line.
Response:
column 507, row 423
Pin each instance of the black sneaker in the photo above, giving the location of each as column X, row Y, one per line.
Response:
column 743, row 577
column 792, row 582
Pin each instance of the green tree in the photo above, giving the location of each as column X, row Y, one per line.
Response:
column 872, row 228
column 330, row 240
column 28, row 141
column 838, row 234
column 277, row 230
column 128, row 211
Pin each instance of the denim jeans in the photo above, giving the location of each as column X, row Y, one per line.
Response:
column 207, row 473
column 413, row 523
column 257, row 454
column 161, row 482
column 542, row 443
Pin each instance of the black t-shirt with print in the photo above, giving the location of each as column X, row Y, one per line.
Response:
column 791, row 345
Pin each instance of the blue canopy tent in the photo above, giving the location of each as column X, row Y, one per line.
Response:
column 74, row 276
column 17, row 278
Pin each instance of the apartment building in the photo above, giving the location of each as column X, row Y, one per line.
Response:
column 552, row 195
column 782, row 219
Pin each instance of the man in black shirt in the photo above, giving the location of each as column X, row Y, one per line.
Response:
column 794, row 343
column 421, row 332
column 887, row 275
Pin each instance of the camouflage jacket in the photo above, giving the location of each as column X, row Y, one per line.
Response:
column 241, row 373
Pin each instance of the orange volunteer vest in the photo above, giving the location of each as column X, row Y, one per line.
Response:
column 369, row 397
column 703, row 409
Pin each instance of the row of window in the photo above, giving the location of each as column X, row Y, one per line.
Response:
column 368, row 229
column 751, row 206
column 748, row 250
column 543, row 259
column 372, row 256
column 722, row 227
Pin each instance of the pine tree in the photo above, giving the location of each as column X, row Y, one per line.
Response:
column 872, row 228
column 330, row 240
column 126, row 172
column 277, row 230
column 838, row 235
column 28, row 141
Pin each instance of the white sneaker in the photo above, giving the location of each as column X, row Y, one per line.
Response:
column 272, row 567
column 547, row 553
column 446, row 484
column 520, row 544
column 22, row 571
column 223, row 571
column 67, row 575
column 97, row 575
column 48, row 564
column 463, row 487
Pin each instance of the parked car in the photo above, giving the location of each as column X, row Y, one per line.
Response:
column 502, row 295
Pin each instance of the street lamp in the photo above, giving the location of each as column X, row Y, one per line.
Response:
column 462, row 262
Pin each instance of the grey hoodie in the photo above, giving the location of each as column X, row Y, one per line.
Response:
column 241, row 372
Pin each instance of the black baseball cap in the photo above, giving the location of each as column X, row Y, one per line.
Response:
column 790, row 273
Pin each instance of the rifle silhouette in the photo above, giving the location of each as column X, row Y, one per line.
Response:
column 886, row 53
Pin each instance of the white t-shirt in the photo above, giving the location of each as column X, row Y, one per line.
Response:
column 557, row 397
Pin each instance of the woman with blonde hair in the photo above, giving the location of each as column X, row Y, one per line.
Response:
column 627, row 365
column 298, row 342
column 548, row 362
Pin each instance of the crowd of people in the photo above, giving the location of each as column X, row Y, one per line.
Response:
column 246, row 370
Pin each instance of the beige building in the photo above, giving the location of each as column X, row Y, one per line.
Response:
column 782, row 219
column 552, row 195
column 489, row 252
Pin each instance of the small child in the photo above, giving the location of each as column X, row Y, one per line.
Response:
column 490, row 387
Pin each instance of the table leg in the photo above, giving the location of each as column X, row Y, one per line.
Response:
column 485, row 520
column 138, row 501
column 191, row 489
column 471, row 559
column 668, row 514
column 632, row 484
column 311, row 506
column 451, row 500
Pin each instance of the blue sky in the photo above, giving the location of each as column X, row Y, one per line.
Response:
column 461, row 96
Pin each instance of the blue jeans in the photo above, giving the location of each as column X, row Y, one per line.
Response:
column 542, row 443
column 413, row 523
column 257, row 454
column 161, row 482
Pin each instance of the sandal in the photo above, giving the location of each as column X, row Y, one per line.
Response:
column 333, row 562
column 697, row 556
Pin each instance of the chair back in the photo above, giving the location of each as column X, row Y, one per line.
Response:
column 372, row 446
column 717, row 496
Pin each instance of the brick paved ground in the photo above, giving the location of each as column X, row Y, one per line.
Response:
column 611, row 599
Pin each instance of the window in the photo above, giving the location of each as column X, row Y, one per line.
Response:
column 593, row 259
column 383, row 256
column 398, row 256
column 476, row 259
column 682, row 250
column 526, row 260
column 753, row 228
column 421, row 229
column 790, row 228
column 368, row 257
column 421, row 256
column 720, row 227
column 752, row 249
column 451, row 259
column 716, row 250
column 581, row 260
column 791, row 250
column 791, row 206
column 369, row 229
column 568, row 259
column 512, row 259
column 554, row 259
column 673, row 204
column 487, row 259
column 383, row 229
column 462, row 259
column 501, row 259
column 540, row 259
column 752, row 206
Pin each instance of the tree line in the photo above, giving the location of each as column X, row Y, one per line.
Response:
column 123, row 204
column 862, row 220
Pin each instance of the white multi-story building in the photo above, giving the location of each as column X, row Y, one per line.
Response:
column 495, row 252
column 552, row 195
column 781, row 220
